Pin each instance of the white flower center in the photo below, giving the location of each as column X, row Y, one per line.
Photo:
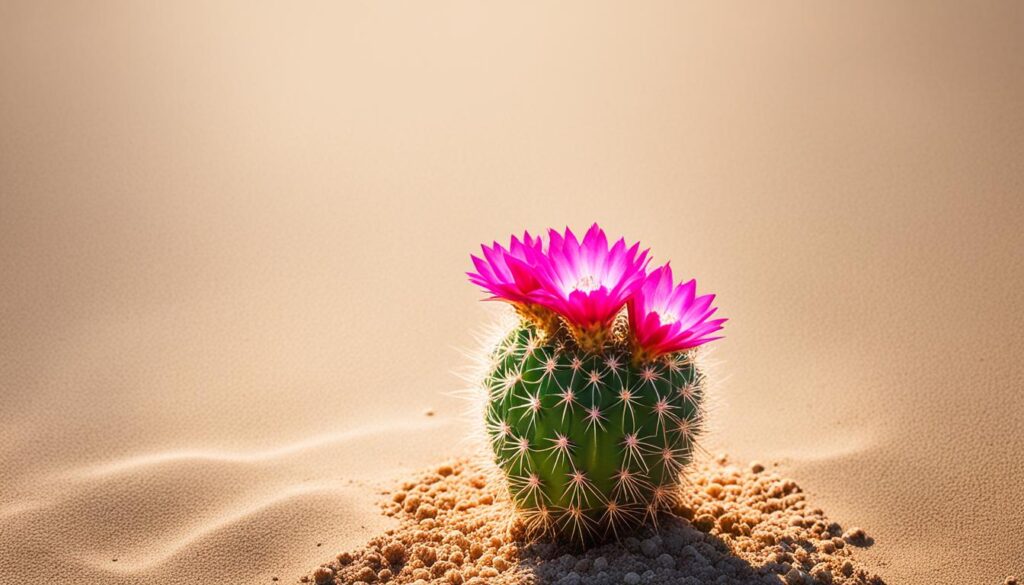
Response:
column 667, row 317
column 586, row 284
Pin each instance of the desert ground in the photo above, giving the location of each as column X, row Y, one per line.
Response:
column 233, row 238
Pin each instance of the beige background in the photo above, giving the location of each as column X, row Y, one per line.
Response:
column 232, row 239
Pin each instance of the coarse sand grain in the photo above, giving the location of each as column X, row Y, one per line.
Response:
column 732, row 525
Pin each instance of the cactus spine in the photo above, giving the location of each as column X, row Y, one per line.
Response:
column 591, row 443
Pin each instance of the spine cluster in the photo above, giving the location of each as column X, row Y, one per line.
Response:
column 591, row 443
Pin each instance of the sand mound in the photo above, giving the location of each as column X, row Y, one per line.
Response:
column 734, row 526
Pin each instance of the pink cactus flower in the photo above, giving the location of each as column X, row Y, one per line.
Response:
column 587, row 282
column 665, row 318
column 508, row 274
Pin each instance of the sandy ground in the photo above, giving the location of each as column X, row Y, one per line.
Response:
column 232, row 239
column 731, row 526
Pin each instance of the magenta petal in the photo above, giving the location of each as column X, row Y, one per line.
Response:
column 663, row 287
column 522, row 274
column 570, row 240
column 688, row 324
column 587, row 283
column 595, row 241
column 508, row 274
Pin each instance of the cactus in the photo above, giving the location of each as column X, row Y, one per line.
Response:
column 593, row 400
column 590, row 444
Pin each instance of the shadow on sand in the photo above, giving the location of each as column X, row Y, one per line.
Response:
column 680, row 553
column 676, row 553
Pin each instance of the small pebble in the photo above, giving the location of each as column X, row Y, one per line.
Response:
column 727, row 523
column 323, row 575
column 854, row 535
column 428, row 412
column 756, row 467
column 365, row 574
column 704, row 522
column 631, row 578
column 394, row 552
column 795, row 576
column 425, row 511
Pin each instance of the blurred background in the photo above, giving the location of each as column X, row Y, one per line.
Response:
column 233, row 237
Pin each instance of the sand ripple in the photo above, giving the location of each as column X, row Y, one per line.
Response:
column 318, row 441
column 173, row 514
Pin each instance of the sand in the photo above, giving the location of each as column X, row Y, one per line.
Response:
column 232, row 238
column 731, row 526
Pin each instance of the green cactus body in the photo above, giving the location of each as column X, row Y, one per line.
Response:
column 589, row 443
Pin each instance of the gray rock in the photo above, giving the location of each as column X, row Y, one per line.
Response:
column 673, row 543
column 666, row 560
column 796, row 576
column 631, row 578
